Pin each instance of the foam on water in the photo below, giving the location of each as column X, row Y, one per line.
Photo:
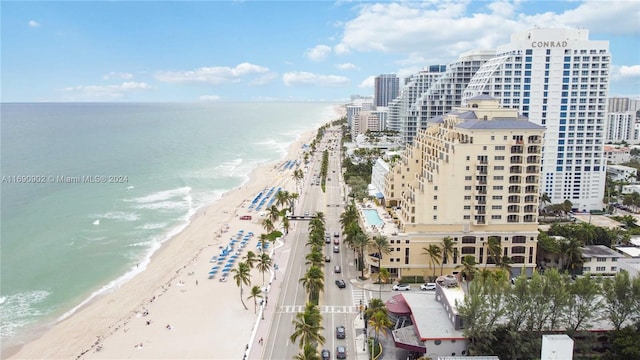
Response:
column 163, row 195
column 117, row 215
column 20, row 309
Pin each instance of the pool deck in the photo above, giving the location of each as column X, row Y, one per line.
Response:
column 388, row 227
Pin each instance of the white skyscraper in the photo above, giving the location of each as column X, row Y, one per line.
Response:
column 559, row 79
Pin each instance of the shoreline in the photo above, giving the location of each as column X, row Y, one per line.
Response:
column 97, row 320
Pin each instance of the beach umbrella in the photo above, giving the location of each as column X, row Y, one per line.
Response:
column 213, row 272
column 224, row 271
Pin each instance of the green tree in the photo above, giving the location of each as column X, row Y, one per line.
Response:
column 264, row 264
column 434, row 253
column 250, row 259
column 383, row 278
column 380, row 245
column 307, row 329
column 309, row 352
column 494, row 250
column 468, row 267
column 268, row 225
column 242, row 275
column 622, row 295
column 584, row 303
column 447, row 247
column 380, row 322
column 313, row 282
column 256, row 293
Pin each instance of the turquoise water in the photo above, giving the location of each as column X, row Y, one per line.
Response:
column 372, row 217
column 64, row 243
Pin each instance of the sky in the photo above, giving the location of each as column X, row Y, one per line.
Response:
column 190, row 51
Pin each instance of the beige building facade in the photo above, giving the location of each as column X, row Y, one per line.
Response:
column 474, row 173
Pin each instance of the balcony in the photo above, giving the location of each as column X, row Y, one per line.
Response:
column 516, row 159
column 515, row 170
column 532, row 180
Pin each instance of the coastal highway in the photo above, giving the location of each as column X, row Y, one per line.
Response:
column 338, row 306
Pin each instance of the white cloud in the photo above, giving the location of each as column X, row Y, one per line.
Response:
column 209, row 98
column 438, row 32
column 117, row 75
column 214, row 75
column 318, row 53
column 347, row 66
column 34, row 24
column 307, row 79
column 104, row 92
column 368, row 83
column 263, row 79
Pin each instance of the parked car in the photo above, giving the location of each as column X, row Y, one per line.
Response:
column 401, row 287
column 341, row 352
column 326, row 354
column 341, row 284
column 341, row 332
column 428, row 286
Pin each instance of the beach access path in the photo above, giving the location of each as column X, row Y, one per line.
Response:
column 172, row 310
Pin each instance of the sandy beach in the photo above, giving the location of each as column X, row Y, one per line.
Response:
column 172, row 310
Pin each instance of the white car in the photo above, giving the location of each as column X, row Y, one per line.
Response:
column 401, row 287
column 428, row 286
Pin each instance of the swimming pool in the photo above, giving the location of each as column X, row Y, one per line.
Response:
column 372, row 217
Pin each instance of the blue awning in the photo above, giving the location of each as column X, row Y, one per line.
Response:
column 379, row 195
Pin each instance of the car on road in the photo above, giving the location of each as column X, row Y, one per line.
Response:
column 336, row 249
column 341, row 284
column 401, row 287
column 428, row 286
column 341, row 332
column 341, row 352
column 337, row 269
column 327, row 258
column 336, row 241
column 326, row 354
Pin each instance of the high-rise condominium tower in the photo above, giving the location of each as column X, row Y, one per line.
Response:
column 387, row 87
column 559, row 79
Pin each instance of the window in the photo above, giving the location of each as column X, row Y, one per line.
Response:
column 601, row 268
column 601, row 259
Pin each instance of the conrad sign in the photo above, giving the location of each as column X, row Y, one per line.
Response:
column 548, row 44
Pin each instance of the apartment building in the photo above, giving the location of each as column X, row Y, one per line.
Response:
column 600, row 260
column 557, row 78
column 386, row 88
column 473, row 174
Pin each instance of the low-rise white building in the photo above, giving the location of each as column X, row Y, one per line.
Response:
column 600, row 260
column 379, row 171
column 629, row 189
column 632, row 266
column 622, row 173
column 617, row 155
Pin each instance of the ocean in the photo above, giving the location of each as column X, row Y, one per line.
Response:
column 90, row 190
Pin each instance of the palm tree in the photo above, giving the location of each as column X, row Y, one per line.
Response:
column 313, row 282
column 264, row 264
column 381, row 245
column 273, row 213
column 314, row 258
column 494, row 250
column 435, row 256
column 256, row 293
column 307, row 353
column 360, row 242
column 267, row 224
column 375, row 305
column 348, row 216
column 544, row 200
column 447, row 247
column 307, row 329
column 572, row 252
column 379, row 321
column 264, row 238
column 383, row 277
column 468, row 267
column 298, row 176
column 250, row 258
column 242, row 275
column 282, row 198
column 286, row 225
column 292, row 199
